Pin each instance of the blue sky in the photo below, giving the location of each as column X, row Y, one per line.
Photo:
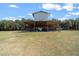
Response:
column 56, row 10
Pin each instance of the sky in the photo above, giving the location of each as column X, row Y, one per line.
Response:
column 24, row 10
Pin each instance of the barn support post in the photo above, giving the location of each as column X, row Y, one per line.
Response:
column 47, row 25
column 34, row 25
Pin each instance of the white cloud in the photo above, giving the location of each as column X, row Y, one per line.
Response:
column 58, row 7
column 11, row 18
column 21, row 16
column 13, row 6
column 30, row 14
column 50, row 6
column 63, row 18
column 68, row 7
column 67, row 15
column 78, row 7
column 51, row 15
column 74, row 13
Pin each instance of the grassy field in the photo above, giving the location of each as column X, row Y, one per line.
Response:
column 39, row 43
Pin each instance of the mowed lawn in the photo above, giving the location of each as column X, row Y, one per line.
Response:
column 39, row 43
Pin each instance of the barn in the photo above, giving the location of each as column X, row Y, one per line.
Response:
column 40, row 19
column 41, row 22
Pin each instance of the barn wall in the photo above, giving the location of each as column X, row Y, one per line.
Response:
column 41, row 16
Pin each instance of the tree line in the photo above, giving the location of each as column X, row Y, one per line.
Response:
column 10, row 25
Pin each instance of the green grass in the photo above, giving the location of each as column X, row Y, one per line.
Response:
column 39, row 43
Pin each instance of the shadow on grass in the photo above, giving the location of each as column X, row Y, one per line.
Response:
column 24, row 31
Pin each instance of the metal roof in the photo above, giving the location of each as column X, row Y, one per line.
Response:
column 39, row 12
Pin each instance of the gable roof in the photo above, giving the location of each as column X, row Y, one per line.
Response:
column 39, row 12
